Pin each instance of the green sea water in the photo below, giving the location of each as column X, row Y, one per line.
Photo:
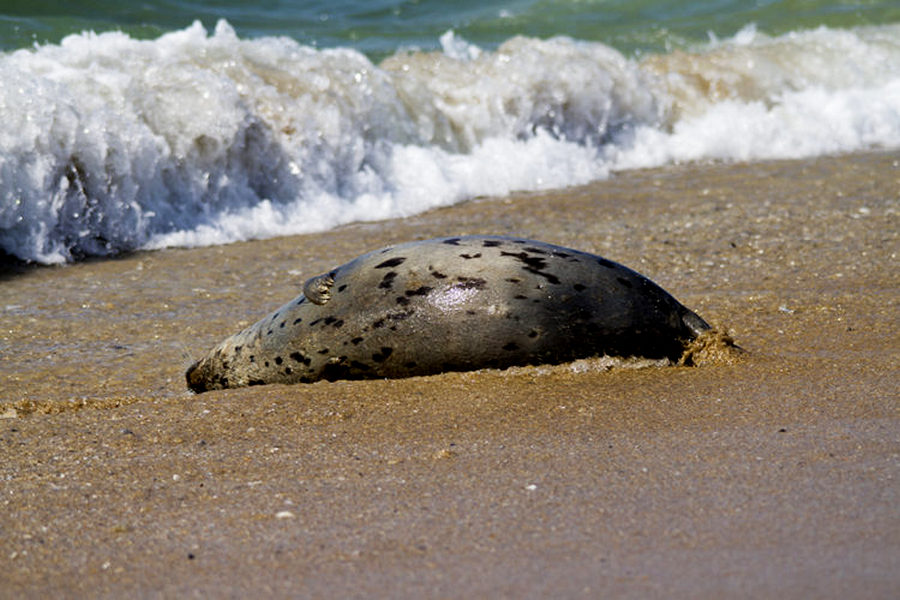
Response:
column 380, row 27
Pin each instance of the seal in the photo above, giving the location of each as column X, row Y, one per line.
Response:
column 453, row 304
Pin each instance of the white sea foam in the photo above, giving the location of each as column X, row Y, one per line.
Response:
column 113, row 144
column 794, row 125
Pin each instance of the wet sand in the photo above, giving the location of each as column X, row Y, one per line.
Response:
column 776, row 475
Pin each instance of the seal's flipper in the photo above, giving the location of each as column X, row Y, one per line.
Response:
column 694, row 322
column 318, row 289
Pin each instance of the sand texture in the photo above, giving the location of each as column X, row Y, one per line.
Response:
column 774, row 475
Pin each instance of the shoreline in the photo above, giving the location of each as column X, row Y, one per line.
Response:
column 774, row 474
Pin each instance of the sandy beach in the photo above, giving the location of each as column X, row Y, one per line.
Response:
column 774, row 475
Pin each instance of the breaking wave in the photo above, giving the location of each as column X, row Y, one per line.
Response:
column 197, row 138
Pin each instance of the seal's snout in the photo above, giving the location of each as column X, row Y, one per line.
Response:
column 195, row 380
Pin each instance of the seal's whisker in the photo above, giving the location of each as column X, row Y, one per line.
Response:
column 186, row 357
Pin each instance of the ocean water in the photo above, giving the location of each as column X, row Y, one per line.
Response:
column 176, row 123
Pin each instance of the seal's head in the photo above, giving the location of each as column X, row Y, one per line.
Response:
column 223, row 368
column 209, row 373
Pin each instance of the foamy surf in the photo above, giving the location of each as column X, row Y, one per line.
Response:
column 196, row 138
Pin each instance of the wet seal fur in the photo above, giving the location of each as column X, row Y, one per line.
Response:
column 453, row 304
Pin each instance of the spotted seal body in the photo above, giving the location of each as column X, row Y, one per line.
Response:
column 453, row 304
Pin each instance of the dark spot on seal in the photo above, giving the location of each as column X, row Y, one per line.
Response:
column 382, row 356
column 579, row 287
column 266, row 364
column 438, row 275
column 470, row 283
column 535, row 250
column 288, row 370
column 342, row 287
column 402, row 300
column 330, row 320
column 422, row 291
column 471, row 256
column 356, row 340
column 514, row 280
column 269, row 332
column 491, row 243
column 411, row 364
column 237, row 349
column 388, row 281
column 391, row 262
column 301, row 300
column 278, row 360
column 313, row 323
column 341, row 368
column 511, row 346
column 533, row 264
column 338, row 323
column 400, row 315
column 324, row 351
column 606, row 263
column 533, row 333
column 256, row 382
column 378, row 323
column 561, row 254
column 252, row 358
column 452, row 241
column 550, row 277
column 624, row 282
column 520, row 297
column 297, row 357
column 297, row 320
column 335, row 370
column 282, row 324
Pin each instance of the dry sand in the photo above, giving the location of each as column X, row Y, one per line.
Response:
column 777, row 475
